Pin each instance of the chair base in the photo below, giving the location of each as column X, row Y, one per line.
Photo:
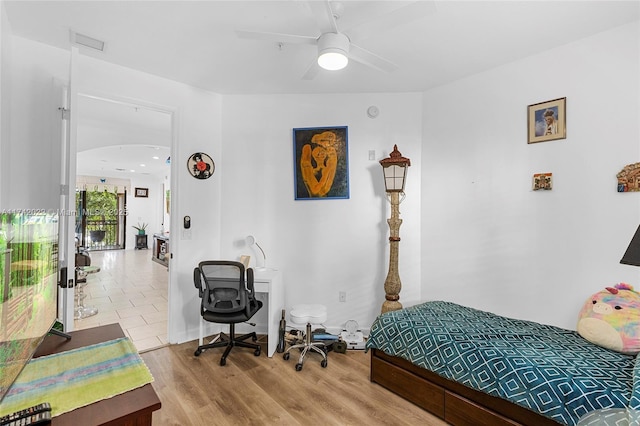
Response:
column 306, row 347
column 229, row 342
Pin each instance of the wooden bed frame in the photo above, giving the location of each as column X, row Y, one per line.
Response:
column 453, row 402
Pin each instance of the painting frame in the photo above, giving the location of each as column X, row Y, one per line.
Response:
column 321, row 163
column 142, row 192
column 547, row 121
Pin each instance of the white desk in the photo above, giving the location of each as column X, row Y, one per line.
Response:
column 270, row 282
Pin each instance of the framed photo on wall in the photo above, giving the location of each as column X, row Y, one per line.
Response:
column 547, row 121
column 142, row 192
column 321, row 163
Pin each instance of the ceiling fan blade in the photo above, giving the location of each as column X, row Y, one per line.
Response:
column 365, row 57
column 277, row 37
column 311, row 71
column 324, row 16
column 398, row 17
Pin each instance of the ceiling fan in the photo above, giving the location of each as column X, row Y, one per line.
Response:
column 336, row 48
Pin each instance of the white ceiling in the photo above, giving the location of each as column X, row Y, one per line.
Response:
column 121, row 140
column 195, row 42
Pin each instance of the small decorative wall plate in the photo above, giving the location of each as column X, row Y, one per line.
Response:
column 200, row 165
column 629, row 178
column 543, row 181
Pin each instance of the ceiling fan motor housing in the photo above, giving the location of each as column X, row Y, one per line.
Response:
column 332, row 46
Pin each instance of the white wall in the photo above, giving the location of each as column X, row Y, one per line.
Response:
column 322, row 247
column 144, row 210
column 491, row 242
column 5, row 103
column 35, row 131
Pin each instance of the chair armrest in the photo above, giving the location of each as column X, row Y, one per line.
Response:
column 197, row 281
column 252, row 292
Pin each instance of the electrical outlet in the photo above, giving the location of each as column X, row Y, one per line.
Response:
column 342, row 296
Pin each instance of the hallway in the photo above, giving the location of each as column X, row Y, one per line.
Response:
column 130, row 289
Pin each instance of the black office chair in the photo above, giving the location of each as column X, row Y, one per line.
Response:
column 226, row 299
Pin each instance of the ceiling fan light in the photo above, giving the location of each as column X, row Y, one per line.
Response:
column 333, row 59
column 333, row 49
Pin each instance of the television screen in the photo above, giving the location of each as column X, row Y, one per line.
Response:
column 28, row 288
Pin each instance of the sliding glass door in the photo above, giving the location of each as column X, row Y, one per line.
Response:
column 100, row 220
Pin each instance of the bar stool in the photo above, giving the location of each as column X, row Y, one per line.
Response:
column 308, row 314
column 82, row 311
column 83, row 268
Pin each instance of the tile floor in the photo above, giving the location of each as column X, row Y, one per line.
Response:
column 130, row 289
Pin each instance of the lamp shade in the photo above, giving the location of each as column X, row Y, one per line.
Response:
column 632, row 255
column 333, row 50
column 251, row 240
column 395, row 170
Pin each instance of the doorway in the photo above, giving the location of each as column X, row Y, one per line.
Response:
column 123, row 150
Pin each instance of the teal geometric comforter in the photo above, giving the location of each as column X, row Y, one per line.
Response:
column 550, row 370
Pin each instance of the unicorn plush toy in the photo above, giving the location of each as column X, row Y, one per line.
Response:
column 611, row 319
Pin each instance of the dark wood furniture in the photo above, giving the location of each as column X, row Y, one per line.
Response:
column 141, row 241
column 451, row 401
column 133, row 408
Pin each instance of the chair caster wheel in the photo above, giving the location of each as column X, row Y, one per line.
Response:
column 323, row 363
column 223, row 362
column 286, row 356
column 256, row 352
column 298, row 367
column 197, row 352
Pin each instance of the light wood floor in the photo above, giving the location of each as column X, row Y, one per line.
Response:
column 251, row 390
column 132, row 290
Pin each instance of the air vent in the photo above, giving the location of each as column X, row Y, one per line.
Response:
column 87, row 41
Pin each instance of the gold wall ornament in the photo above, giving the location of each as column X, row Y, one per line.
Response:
column 629, row 178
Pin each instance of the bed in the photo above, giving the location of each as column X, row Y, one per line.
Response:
column 471, row 367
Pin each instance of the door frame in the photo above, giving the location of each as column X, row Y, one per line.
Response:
column 66, row 238
column 173, row 113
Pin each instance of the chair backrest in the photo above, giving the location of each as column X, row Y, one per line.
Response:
column 222, row 286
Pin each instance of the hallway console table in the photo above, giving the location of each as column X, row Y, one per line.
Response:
column 133, row 408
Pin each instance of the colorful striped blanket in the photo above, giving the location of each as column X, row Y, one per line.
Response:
column 79, row 377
